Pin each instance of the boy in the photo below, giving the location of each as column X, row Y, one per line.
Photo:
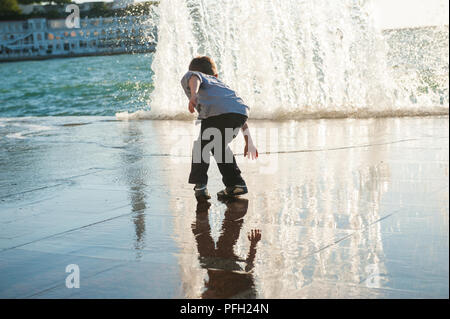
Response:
column 221, row 111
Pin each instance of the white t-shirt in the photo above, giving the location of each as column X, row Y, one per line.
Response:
column 214, row 97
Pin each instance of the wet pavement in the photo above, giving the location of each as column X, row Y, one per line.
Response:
column 339, row 208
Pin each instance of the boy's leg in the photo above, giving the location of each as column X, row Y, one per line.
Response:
column 199, row 165
column 231, row 174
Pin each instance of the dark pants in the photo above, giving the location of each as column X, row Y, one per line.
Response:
column 215, row 134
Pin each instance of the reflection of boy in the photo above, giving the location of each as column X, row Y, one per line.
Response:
column 226, row 278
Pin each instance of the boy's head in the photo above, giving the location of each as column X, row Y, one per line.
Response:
column 203, row 64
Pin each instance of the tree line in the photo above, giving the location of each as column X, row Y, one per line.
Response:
column 9, row 9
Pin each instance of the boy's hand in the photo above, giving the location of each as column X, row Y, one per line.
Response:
column 250, row 150
column 193, row 103
column 254, row 236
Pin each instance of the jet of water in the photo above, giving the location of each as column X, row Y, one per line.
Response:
column 288, row 59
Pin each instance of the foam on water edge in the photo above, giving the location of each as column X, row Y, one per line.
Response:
column 297, row 115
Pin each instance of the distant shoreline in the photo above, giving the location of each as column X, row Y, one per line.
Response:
column 415, row 28
column 153, row 48
column 73, row 55
column 42, row 39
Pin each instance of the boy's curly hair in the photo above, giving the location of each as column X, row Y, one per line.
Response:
column 203, row 64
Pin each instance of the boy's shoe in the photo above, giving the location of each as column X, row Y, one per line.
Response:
column 201, row 192
column 231, row 191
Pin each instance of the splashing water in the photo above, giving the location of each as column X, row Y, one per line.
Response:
column 290, row 59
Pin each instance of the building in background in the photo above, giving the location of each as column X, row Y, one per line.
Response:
column 84, row 6
column 42, row 38
column 121, row 4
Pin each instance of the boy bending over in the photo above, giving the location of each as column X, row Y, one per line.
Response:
column 222, row 114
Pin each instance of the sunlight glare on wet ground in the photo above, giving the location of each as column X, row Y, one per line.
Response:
column 345, row 208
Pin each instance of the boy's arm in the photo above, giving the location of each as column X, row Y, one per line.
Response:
column 254, row 236
column 194, row 86
column 249, row 148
